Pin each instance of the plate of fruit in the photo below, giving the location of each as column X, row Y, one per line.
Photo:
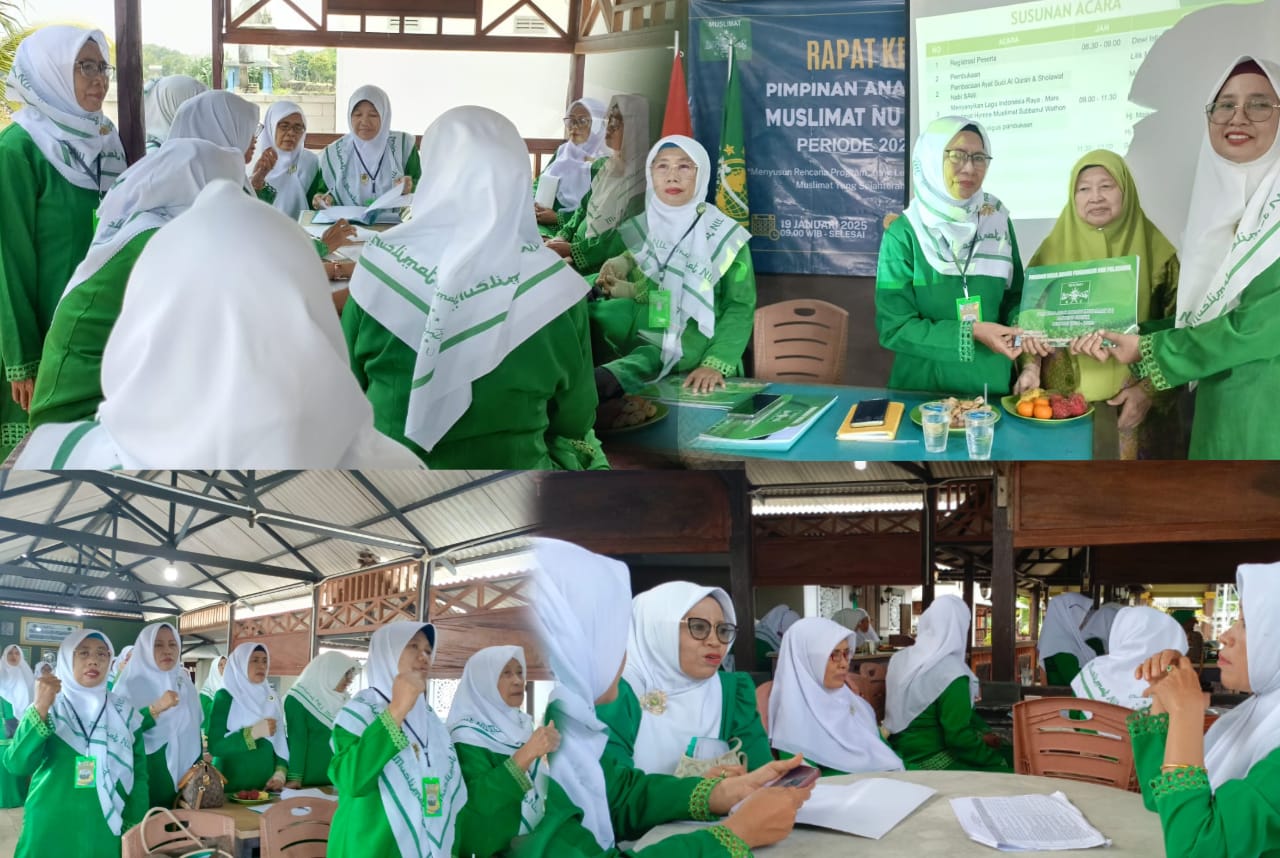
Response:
column 1047, row 407
column 251, row 796
column 956, row 407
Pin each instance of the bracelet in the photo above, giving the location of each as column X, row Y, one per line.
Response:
column 1175, row 766
column 700, row 800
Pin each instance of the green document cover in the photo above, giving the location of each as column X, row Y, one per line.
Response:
column 778, row 427
column 670, row 390
column 1062, row 302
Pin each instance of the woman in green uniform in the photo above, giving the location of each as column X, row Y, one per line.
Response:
column 813, row 712
column 220, row 117
column 929, row 695
column 364, row 163
column 571, row 164
column 1062, row 647
column 83, row 748
column 502, row 755
column 286, row 174
column 146, row 197
column 683, row 296
column 1225, row 337
column 246, row 726
column 1216, row 791
column 394, row 767
column 310, row 708
column 1137, row 634
column 212, row 685
column 950, row 279
column 769, row 631
column 673, row 692
column 157, row 685
column 161, row 101
column 17, row 684
column 57, row 159
column 469, row 338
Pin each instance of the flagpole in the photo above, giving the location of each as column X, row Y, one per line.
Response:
column 676, row 46
column 729, row 75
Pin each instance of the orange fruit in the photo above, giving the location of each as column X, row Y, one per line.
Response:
column 1026, row 409
column 1042, row 412
column 1042, row 400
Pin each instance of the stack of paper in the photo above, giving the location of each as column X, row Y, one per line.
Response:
column 868, row 808
column 1023, row 823
column 778, row 427
column 381, row 210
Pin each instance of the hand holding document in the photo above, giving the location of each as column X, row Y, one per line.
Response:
column 381, row 210
column 1024, row 823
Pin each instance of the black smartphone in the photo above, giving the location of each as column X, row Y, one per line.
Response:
column 757, row 403
column 870, row 412
column 800, row 776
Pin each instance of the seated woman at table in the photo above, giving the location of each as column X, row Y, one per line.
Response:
column 582, row 606
column 769, row 631
column 1137, row 634
column 213, row 683
column 949, row 281
column 17, row 684
column 572, row 164
column 1103, row 218
column 247, row 726
column 157, row 685
column 1215, row 792
column 1097, row 629
column 1062, row 648
column 929, row 697
column 468, row 336
column 310, row 708
column 161, row 102
column 858, row 621
column 364, row 163
column 812, row 712
column 673, row 692
column 220, row 117
column 286, row 174
column 147, row 196
column 590, row 237
column 83, row 748
column 683, row 296
column 501, row 754
column 1226, row 337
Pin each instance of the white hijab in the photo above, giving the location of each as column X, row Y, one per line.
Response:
column 479, row 716
column 253, row 701
column 151, row 193
column 693, row 707
column 1136, row 635
column 1251, row 731
column 356, row 171
column 223, row 118
column 162, row 101
column 428, row 754
column 1061, row 630
column 919, row 674
column 622, row 180
column 1100, row 623
column 83, row 147
column 468, row 279
column 946, row 228
column 177, row 730
column 232, row 278
column 42, row 668
column 830, row 726
column 213, row 683
column 316, row 688
column 572, row 164
column 1230, row 237
column 773, row 625
column 17, row 682
column 850, row 618
column 100, row 724
column 118, row 665
column 294, row 171
column 581, row 606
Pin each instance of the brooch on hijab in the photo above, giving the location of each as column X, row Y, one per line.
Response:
column 293, row 168
column 655, row 702
column 987, row 210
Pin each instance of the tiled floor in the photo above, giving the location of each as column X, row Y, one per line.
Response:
column 10, row 826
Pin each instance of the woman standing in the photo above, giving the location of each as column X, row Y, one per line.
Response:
column 310, row 708
column 57, row 159
column 364, row 163
column 571, row 165
column 161, row 102
column 1137, row 635
column 17, row 684
column 83, row 748
column 157, row 685
column 213, row 683
column 246, row 726
column 1062, row 647
column 286, row 174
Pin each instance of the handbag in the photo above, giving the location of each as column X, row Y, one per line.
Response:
column 688, row 767
column 201, row 787
column 185, row 844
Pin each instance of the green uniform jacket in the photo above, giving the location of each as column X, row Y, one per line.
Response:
column 617, row 324
column 917, row 319
column 739, row 720
column 46, row 226
column 1061, row 668
column 69, row 387
column 160, row 783
column 1240, row 820
column 310, row 749
column 59, row 818
column 496, row 788
column 206, row 706
column 1236, row 358
column 589, row 253
column 247, row 763
column 948, row 735
column 535, row 411
column 13, row 789
column 412, row 169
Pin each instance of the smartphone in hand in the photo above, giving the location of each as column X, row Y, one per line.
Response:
column 801, row 777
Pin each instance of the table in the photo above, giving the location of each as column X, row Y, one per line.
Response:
column 934, row 832
column 1015, row 439
column 248, row 822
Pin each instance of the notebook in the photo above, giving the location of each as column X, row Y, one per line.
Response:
column 886, row 431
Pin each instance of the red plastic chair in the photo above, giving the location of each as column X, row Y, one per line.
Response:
column 1048, row 743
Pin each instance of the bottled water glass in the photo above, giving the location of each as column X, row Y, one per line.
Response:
column 935, row 423
column 980, row 432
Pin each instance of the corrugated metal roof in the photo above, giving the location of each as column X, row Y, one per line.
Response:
column 762, row 473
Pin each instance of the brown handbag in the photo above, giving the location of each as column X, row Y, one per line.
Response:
column 201, row 787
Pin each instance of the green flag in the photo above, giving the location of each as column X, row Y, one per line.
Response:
column 731, row 170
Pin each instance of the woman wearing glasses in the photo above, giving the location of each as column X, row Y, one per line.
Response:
column 675, row 706
column 1225, row 337
column 950, row 278
column 285, row 175
column 57, row 159
column 574, row 164
column 363, row 164
column 812, row 711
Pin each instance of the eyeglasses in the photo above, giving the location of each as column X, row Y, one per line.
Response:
column 840, row 655
column 700, row 630
column 959, row 157
column 91, row 69
column 577, row 121
column 614, row 121
column 1255, row 110
column 291, row 128
column 684, row 169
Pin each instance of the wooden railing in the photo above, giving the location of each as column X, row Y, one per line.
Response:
column 286, row 636
column 208, row 619
column 477, row 614
column 365, row 600
column 540, row 148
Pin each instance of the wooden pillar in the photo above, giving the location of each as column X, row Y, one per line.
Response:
column 216, row 73
column 577, row 77
column 1004, row 596
column 128, row 81
column 968, row 600
column 315, row 620
column 740, row 572
column 927, row 519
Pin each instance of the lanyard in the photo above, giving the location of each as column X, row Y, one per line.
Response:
column 425, row 750
column 964, row 272
column 88, row 734
column 371, row 174
column 662, row 272
column 96, row 179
